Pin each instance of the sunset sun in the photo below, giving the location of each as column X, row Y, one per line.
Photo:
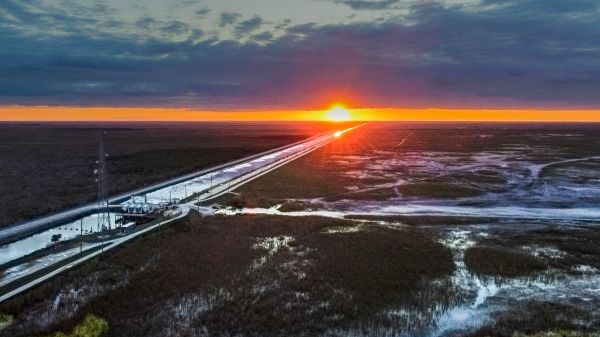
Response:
column 338, row 114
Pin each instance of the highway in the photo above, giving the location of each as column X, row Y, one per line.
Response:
column 203, row 185
column 221, row 174
column 111, row 245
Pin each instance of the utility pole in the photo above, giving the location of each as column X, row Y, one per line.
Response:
column 103, row 205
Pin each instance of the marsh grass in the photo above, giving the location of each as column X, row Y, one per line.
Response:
column 541, row 319
column 438, row 190
column 575, row 245
column 558, row 333
column 495, row 261
column 295, row 206
column 315, row 283
column 425, row 220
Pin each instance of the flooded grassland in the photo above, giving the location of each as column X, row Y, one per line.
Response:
column 393, row 230
column 516, row 204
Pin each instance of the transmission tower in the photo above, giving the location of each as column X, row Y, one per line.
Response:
column 103, row 206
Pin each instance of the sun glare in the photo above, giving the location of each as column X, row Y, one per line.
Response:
column 337, row 134
column 338, row 114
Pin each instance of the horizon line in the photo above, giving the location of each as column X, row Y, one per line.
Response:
column 47, row 114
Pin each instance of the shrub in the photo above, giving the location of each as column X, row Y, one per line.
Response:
column 92, row 326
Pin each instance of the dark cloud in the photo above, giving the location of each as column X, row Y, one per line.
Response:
column 369, row 4
column 248, row 26
column 284, row 24
column 175, row 28
column 228, row 18
column 186, row 3
column 263, row 37
column 202, row 12
column 145, row 22
column 516, row 53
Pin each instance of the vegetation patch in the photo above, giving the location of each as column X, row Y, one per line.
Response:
column 438, row 190
column 577, row 245
column 541, row 319
column 91, row 326
column 379, row 267
column 558, row 333
column 492, row 261
column 295, row 206
column 484, row 177
column 372, row 194
column 5, row 320
column 424, row 220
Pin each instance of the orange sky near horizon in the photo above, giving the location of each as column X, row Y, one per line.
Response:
column 47, row 113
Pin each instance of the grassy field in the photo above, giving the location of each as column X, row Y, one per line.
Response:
column 47, row 167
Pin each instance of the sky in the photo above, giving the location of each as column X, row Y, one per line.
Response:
column 290, row 59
